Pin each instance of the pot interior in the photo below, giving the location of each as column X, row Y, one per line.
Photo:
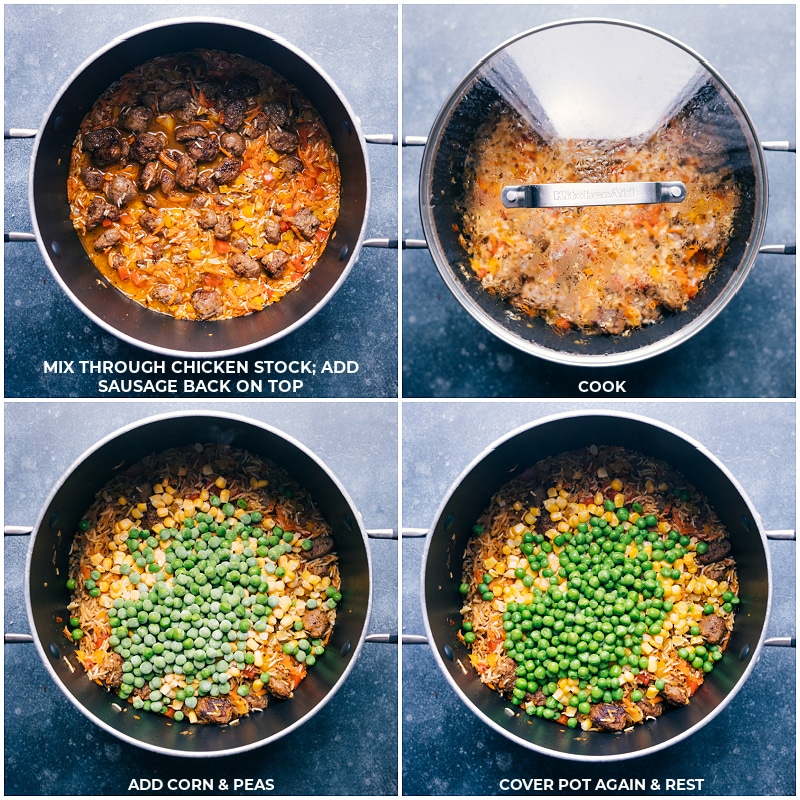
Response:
column 48, row 596
column 65, row 254
column 512, row 456
column 543, row 63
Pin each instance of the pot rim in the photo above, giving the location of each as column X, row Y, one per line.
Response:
column 168, row 351
column 531, row 347
column 432, row 638
column 40, row 522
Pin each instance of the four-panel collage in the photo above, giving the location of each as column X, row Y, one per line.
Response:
column 399, row 400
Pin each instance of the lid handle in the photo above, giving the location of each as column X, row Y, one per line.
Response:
column 558, row 195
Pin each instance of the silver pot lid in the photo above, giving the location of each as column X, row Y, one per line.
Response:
column 599, row 176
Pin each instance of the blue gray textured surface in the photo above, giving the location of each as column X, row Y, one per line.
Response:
column 747, row 351
column 348, row 748
column 439, row 441
column 355, row 45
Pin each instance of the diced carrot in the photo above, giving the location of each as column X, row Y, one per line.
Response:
column 210, row 279
column 321, row 235
column 221, row 246
column 138, row 279
column 126, row 219
column 123, row 272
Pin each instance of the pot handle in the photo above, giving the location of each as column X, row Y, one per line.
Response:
column 393, row 638
column 392, row 533
column 17, row 530
column 780, row 641
column 393, row 244
column 14, row 236
column 19, row 133
column 786, row 147
column 560, row 195
column 18, row 638
column 787, row 535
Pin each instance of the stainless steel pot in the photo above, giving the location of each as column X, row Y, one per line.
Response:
column 72, row 268
column 598, row 69
column 47, row 568
column 510, row 456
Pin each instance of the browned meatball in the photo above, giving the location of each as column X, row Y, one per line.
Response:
column 105, row 146
column 207, row 303
column 167, row 181
column 305, row 222
column 165, row 293
column 121, row 190
column 275, row 263
column 99, row 210
column 201, row 145
column 174, row 99
column 291, row 164
column 315, row 623
column 146, row 147
column 205, row 180
column 186, row 171
column 280, row 684
column 713, row 629
column 203, row 149
column 148, row 176
column 194, row 131
column 608, row 717
column 717, row 550
column 233, row 112
column 222, row 228
column 650, row 709
column 243, row 265
column 320, row 546
column 107, row 239
column 675, row 695
column 277, row 114
column 208, row 219
column 256, row 702
column 284, row 141
column 136, row 119
column 232, row 143
column 228, row 171
column 272, row 231
column 149, row 221
column 256, row 126
column 92, row 178
column 214, row 709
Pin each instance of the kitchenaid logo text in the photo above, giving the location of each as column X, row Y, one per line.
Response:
column 577, row 195
column 186, row 378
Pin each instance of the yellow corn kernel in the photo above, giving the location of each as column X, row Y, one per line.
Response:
column 158, row 489
column 619, row 500
column 220, row 482
column 651, row 692
column 122, row 501
column 225, row 495
column 96, row 558
column 168, row 523
column 584, row 515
